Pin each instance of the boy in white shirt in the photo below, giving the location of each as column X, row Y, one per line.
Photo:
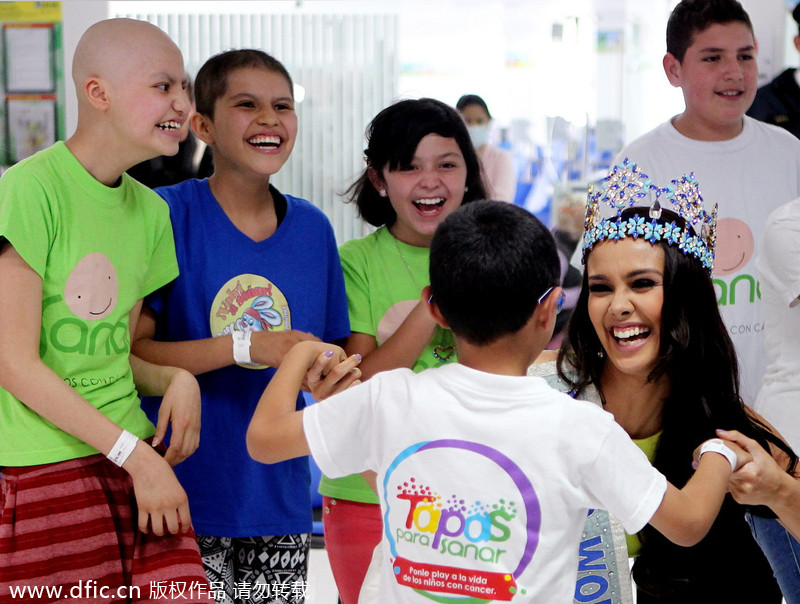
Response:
column 485, row 475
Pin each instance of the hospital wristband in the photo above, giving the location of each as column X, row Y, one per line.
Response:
column 241, row 347
column 122, row 449
column 717, row 445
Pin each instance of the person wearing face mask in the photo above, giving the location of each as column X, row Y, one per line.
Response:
column 497, row 164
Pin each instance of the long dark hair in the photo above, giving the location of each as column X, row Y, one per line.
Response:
column 392, row 139
column 698, row 359
column 696, row 356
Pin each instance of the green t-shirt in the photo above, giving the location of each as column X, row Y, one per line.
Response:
column 649, row 446
column 98, row 250
column 384, row 279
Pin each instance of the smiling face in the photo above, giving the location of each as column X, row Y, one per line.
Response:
column 626, row 297
column 426, row 192
column 254, row 125
column 719, row 78
column 149, row 99
column 735, row 246
column 91, row 290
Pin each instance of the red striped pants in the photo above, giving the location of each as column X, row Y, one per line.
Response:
column 68, row 532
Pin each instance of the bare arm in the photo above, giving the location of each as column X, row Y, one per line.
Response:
column 764, row 482
column 276, row 429
column 402, row 349
column 199, row 356
column 180, row 406
column 161, row 499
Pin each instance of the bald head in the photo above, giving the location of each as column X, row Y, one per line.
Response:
column 114, row 47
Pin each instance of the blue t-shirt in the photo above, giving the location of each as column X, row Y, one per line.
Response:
column 292, row 280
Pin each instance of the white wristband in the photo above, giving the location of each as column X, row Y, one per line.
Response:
column 122, row 449
column 717, row 445
column 241, row 347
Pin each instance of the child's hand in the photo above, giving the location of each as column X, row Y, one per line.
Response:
column 332, row 371
column 160, row 499
column 742, row 456
column 181, row 408
column 269, row 347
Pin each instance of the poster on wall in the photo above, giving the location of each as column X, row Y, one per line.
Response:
column 29, row 60
column 31, row 78
column 31, row 125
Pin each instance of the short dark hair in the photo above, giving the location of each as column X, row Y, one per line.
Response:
column 211, row 82
column 472, row 99
column 692, row 16
column 490, row 262
column 392, row 139
column 796, row 16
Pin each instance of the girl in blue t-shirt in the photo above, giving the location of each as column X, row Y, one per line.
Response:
column 259, row 271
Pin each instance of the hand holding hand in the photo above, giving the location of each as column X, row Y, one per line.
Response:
column 269, row 347
column 758, row 481
column 332, row 371
column 742, row 456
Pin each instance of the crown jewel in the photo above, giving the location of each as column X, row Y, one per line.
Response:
column 626, row 186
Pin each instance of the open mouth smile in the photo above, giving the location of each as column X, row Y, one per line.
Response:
column 262, row 141
column 627, row 336
column 170, row 125
column 429, row 205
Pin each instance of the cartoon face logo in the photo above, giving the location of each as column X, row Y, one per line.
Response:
column 735, row 246
column 91, row 290
column 260, row 316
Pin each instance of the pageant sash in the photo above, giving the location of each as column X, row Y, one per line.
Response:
column 603, row 571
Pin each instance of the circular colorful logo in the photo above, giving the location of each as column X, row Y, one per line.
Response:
column 464, row 547
column 249, row 303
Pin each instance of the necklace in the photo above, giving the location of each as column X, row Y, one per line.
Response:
column 442, row 350
column 405, row 262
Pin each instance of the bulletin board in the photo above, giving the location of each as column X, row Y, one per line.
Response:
column 31, row 79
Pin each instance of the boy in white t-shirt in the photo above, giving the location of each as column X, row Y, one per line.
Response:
column 747, row 167
column 485, row 475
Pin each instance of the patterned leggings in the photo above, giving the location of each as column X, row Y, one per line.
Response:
column 256, row 570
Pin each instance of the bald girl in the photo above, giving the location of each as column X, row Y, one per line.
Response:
column 131, row 86
column 81, row 244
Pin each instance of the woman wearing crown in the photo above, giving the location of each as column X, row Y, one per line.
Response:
column 646, row 341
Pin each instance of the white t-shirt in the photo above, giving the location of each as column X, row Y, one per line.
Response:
column 485, row 480
column 778, row 263
column 748, row 176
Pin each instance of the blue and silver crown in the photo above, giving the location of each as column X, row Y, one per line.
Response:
column 626, row 186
